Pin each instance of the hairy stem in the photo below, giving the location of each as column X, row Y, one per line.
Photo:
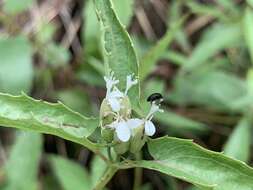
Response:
column 109, row 173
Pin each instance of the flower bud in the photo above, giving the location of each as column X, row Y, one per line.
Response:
column 106, row 114
column 125, row 109
column 107, row 134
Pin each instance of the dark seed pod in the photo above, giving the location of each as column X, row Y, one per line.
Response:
column 155, row 97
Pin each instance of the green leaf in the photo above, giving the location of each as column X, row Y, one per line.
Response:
column 49, row 182
column 16, row 6
column 124, row 10
column 205, row 88
column 149, row 59
column 175, row 13
column 238, row 144
column 98, row 167
column 215, row 39
column 76, row 99
column 188, row 161
column 90, row 31
column 203, row 9
column 175, row 57
column 24, row 112
column 180, row 123
column 22, row 166
column 248, row 30
column 118, row 49
column 141, row 45
column 89, row 74
column 16, row 60
column 70, row 174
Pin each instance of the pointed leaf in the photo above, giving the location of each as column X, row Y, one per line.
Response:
column 118, row 49
column 24, row 112
column 188, row 161
column 238, row 145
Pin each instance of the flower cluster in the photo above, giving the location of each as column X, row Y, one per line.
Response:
column 116, row 122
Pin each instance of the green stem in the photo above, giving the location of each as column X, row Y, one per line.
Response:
column 109, row 173
column 137, row 174
column 109, row 154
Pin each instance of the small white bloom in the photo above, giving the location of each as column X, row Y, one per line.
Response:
column 122, row 130
column 154, row 108
column 113, row 94
column 116, row 93
column 130, row 82
column 110, row 82
column 149, row 128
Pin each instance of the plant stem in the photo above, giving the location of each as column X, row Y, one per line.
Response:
column 109, row 153
column 98, row 153
column 137, row 173
column 109, row 173
column 137, row 178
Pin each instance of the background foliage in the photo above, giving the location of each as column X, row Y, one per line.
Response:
column 198, row 54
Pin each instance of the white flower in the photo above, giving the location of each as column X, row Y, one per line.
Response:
column 122, row 130
column 110, row 83
column 149, row 128
column 125, row 129
column 130, row 82
column 134, row 123
column 113, row 94
column 154, row 108
column 149, row 125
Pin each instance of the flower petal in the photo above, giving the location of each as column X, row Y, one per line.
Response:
column 149, row 128
column 154, row 108
column 116, row 93
column 130, row 82
column 123, row 132
column 114, row 103
column 134, row 123
column 110, row 82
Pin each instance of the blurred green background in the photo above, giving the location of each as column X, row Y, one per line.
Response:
column 198, row 54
